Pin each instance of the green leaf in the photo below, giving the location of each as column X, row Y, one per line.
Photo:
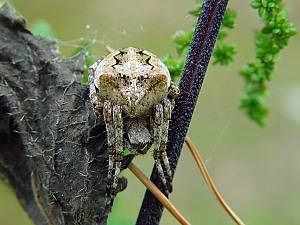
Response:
column 84, row 46
column 196, row 11
column 182, row 40
column 223, row 53
column 126, row 152
column 229, row 19
column 42, row 28
column 175, row 66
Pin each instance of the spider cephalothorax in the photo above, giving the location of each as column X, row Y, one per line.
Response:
column 132, row 91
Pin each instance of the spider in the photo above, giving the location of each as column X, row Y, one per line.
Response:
column 131, row 90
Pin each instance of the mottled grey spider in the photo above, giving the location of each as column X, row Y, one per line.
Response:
column 131, row 90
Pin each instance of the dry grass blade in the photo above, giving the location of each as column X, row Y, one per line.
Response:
column 109, row 49
column 210, row 183
column 158, row 194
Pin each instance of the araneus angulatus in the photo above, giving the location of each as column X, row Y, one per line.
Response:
column 131, row 90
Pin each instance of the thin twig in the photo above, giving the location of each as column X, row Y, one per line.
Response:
column 158, row 194
column 210, row 182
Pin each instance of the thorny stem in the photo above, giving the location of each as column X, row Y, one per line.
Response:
column 196, row 63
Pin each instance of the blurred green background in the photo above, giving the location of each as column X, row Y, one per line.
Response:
column 256, row 169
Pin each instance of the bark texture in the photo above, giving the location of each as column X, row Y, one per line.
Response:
column 52, row 147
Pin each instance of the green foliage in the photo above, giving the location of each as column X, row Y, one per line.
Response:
column 126, row 152
column 84, row 47
column 269, row 41
column 42, row 28
column 273, row 37
column 175, row 65
column 222, row 54
column 182, row 40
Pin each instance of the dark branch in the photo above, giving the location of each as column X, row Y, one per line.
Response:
column 52, row 148
column 197, row 60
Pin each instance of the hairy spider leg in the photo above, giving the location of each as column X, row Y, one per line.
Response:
column 118, row 128
column 97, row 105
column 167, row 110
column 157, row 130
column 108, row 118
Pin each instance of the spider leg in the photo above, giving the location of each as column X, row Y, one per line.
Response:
column 97, row 105
column 167, row 111
column 108, row 118
column 118, row 129
column 157, row 130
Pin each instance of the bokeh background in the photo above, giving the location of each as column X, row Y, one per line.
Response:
column 256, row 169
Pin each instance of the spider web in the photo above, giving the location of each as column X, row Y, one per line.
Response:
column 92, row 41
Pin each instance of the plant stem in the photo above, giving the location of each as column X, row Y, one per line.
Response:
column 158, row 194
column 196, row 63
